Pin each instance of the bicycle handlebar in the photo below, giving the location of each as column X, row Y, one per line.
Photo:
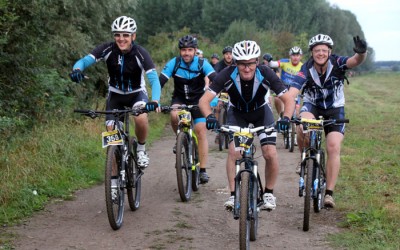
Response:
column 320, row 122
column 233, row 129
column 166, row 109
column 116, row 112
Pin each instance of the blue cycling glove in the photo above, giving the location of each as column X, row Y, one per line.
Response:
column 211, row 122
column 151, row 106
column 77, row 75
column 283, row 124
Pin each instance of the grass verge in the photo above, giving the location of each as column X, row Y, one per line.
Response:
column 369, row 184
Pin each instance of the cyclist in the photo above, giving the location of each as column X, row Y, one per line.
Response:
column 189, row 72
column 247, row 84
column 225, row 62
column 199, row 53
column 214, row 59
column 322, row 78
column 289, row 68
column 127, row 62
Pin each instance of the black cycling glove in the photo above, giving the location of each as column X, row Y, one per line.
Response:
column 77, row 75
column 211, row 122
column 360, row 45
column 151, row 106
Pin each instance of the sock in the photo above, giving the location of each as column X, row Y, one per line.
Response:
column 266, row 190
column 141, row 147
column 202, row 170
column 232, row 193
column 329, row 192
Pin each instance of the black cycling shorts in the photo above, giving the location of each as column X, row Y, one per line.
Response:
column 333, row 113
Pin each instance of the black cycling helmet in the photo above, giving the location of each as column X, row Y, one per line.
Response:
column 227, row 49
column 215, row 55
column 187, row 42
column 268, row 57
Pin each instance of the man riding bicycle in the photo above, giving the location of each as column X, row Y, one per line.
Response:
column 322, row 78
column 247, row 83
column 189, row 71
column 127, row 63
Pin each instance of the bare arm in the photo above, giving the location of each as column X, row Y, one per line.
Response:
column 289, row 102
column 356, row 60
column 204, row 103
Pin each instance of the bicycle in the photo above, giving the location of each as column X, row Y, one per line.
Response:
column 121, row 171
column 187, row 153
column 289, row 135
column 248, row 186
column 312, row 182
column 223, row 139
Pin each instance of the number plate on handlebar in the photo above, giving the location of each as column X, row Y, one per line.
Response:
column 242, row 140
column 111, row 138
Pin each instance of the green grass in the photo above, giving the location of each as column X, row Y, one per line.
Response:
column 369, row 184
column 52, row 162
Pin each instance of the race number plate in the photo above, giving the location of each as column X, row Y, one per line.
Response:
column 111, row 138
column 242, row 141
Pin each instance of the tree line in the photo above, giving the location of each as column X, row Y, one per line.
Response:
column 40, row 41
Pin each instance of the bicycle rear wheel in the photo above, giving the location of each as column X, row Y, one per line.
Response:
column 292, row 137
column 183, row 166
column 319, row 199
column 307, row 198
column 134, row 184
column 114, row 194
column 196, row 170
column 244, row 222
column 286, row 139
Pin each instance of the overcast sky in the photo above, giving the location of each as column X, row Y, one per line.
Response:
column 380, row 21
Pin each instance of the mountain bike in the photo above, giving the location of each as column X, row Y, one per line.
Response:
column 187, row 153
column 289, row 135
column 121, row 171
column 223, row 139
column 248, row 186
column 312, row 182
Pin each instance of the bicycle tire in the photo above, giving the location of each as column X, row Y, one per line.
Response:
column 183, row 166
column 307, row 198
column 115, row 206
column 221, row 121
column 196, row 170
column 134, row 184
column 318, row 202
column 254, row 216
column 244, row 223
column 292, row 137
column 286, row 139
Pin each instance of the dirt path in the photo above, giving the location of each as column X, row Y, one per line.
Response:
column 164, row 222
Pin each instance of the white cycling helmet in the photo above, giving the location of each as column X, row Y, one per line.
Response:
column 320, row 39
column 124, row 24
column 295, row 51
column 246, row 50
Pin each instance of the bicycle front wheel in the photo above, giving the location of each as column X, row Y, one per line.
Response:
column 307, row 198
column 244, row 223
column 183, row 166
column 114, row 190
column 134, row 184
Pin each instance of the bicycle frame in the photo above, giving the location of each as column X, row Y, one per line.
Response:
column 185, row 124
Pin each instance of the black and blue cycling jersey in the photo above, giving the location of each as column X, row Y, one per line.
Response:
column 126, row 70
column 247, row 96
column 189, row 80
